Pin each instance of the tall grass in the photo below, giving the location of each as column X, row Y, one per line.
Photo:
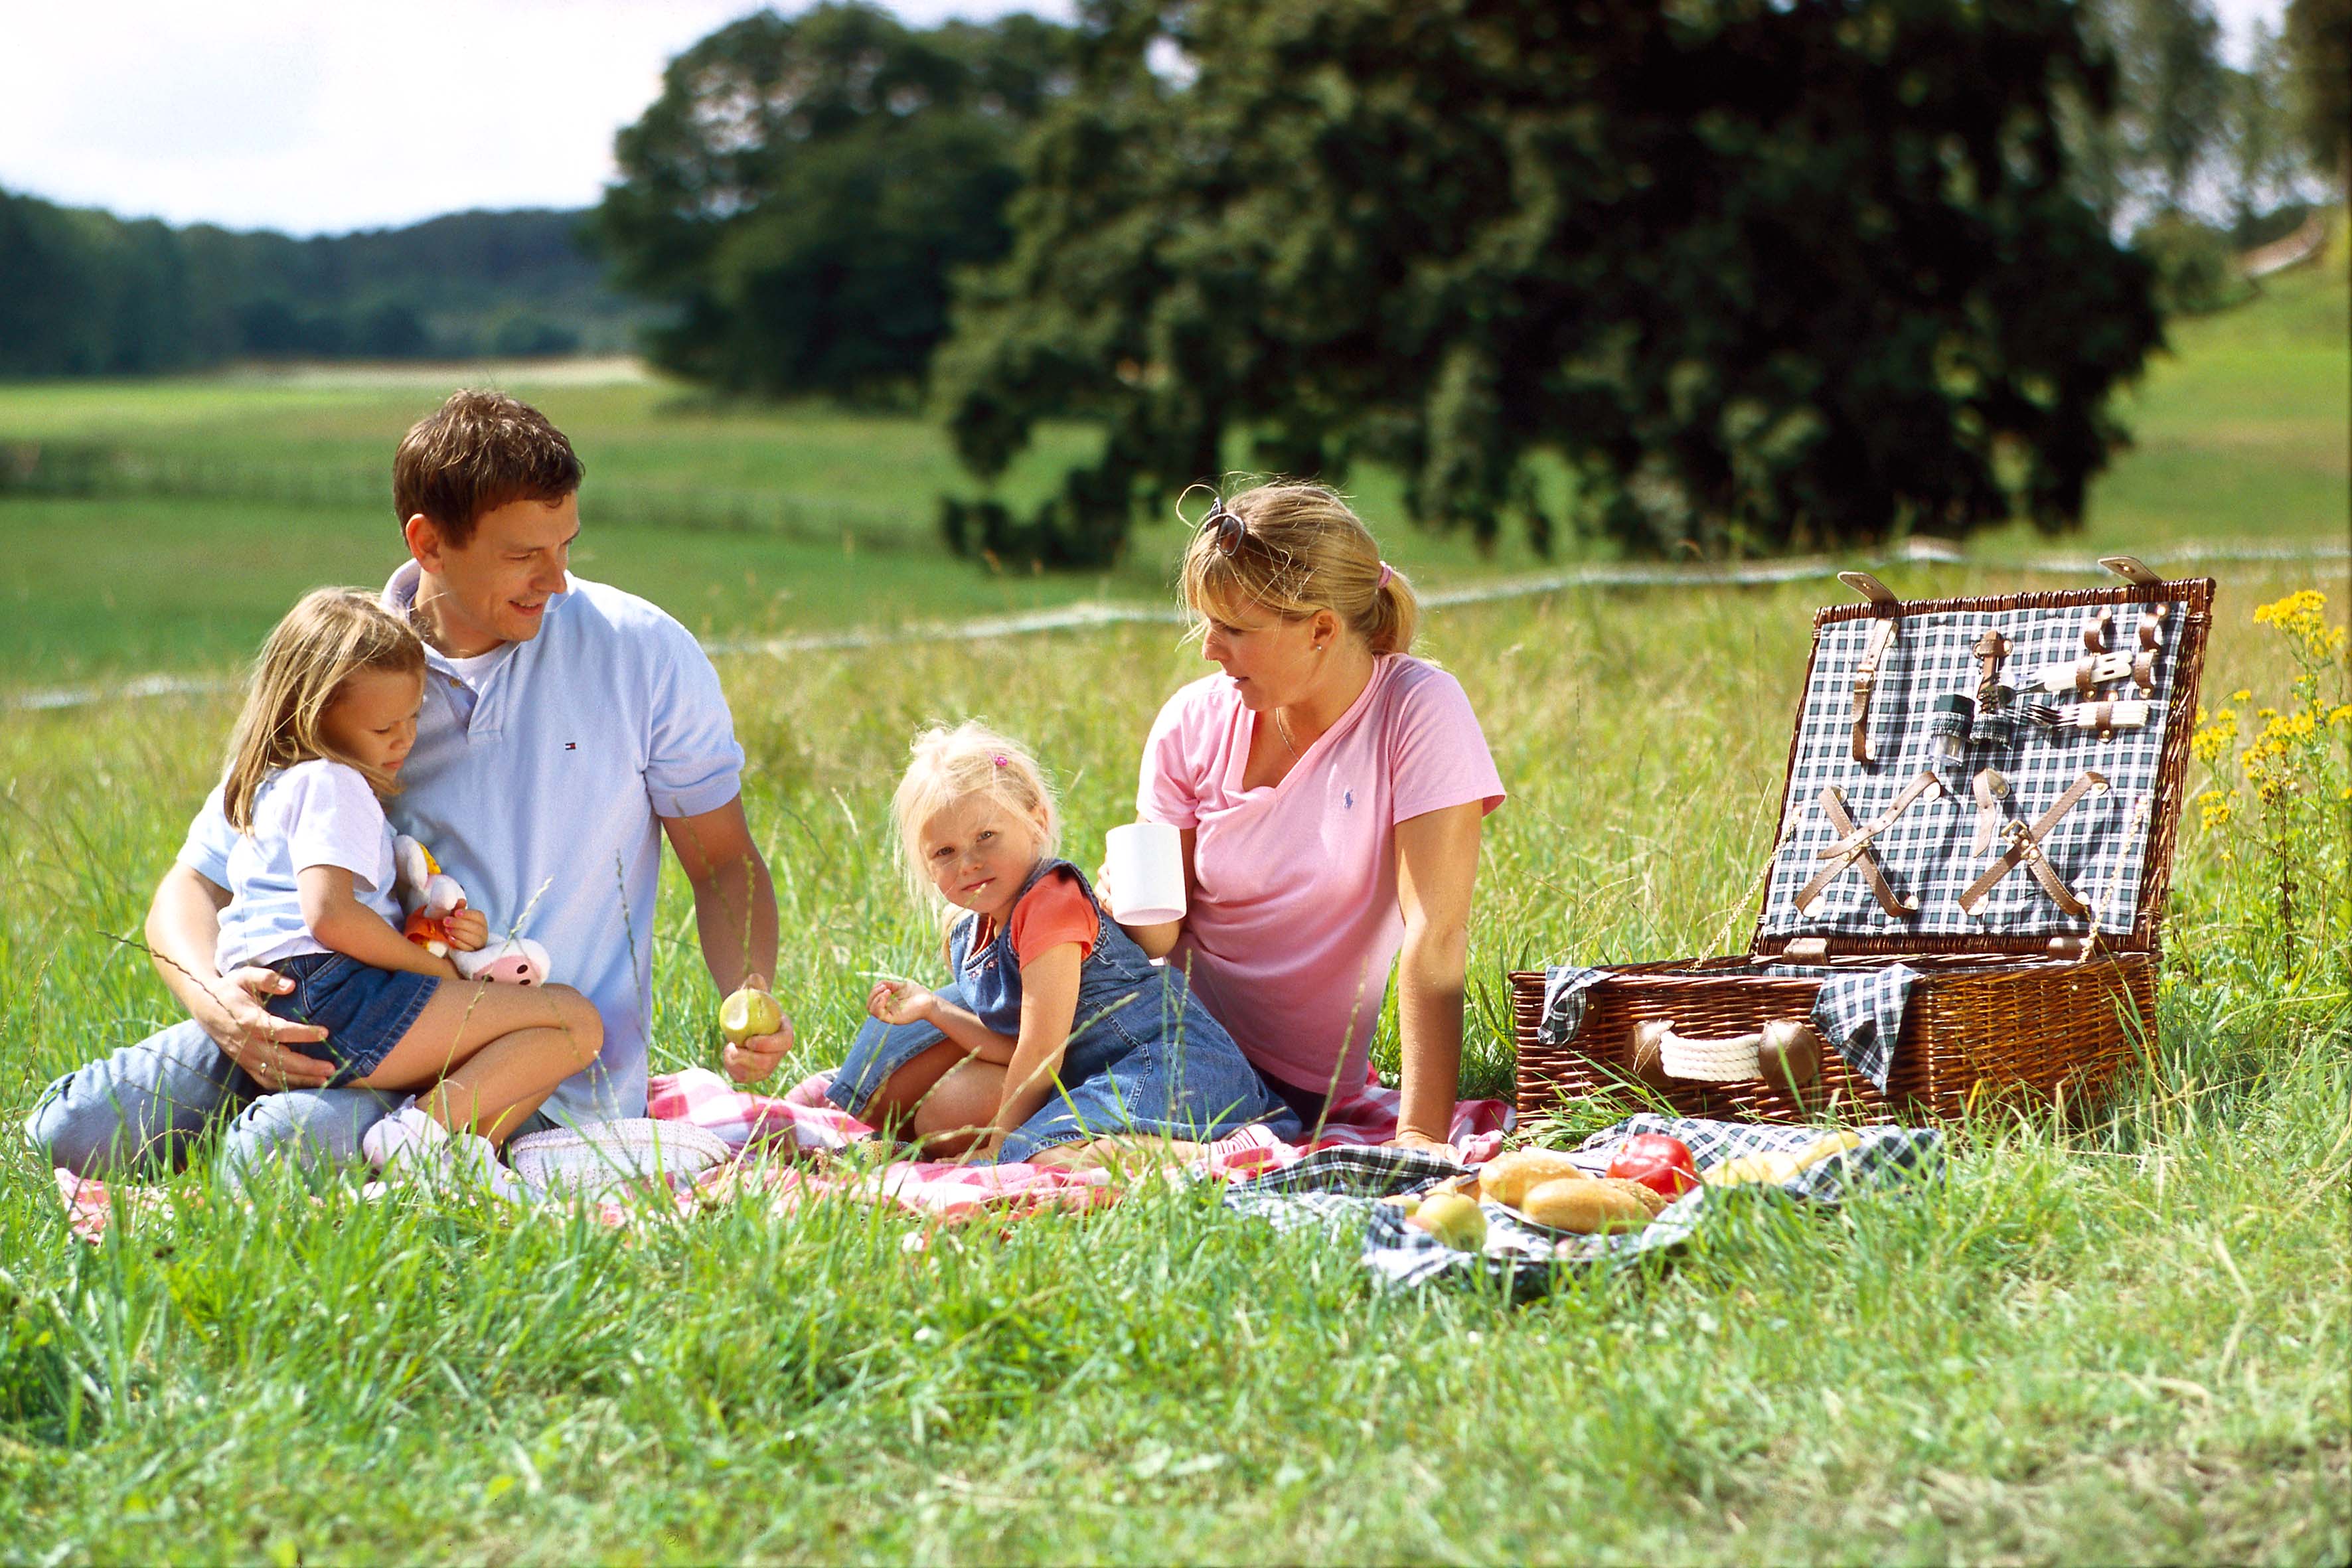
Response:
column 2124, row 1341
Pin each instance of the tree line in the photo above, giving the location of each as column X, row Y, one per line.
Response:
column 87, row 293
column 1760, row 272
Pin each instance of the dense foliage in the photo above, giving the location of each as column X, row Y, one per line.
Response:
column 804, row 185
column 2319, row 41
column 86, row 293
column 1764, row 274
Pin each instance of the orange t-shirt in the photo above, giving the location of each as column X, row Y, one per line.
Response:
column 1054, row 911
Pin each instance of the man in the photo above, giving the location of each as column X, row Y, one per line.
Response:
column 567, row 729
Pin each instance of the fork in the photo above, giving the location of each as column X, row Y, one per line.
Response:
column 2100, row 716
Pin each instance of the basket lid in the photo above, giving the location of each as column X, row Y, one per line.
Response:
column 1988, row 773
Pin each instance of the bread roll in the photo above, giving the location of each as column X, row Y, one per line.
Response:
column 1507, row 1177
column 1651, row 1200
column 1586, row 1207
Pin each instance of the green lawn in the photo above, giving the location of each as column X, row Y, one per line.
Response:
column 2125, row 1343
column 2122, row 1341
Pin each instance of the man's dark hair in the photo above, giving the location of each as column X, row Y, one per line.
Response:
column 476, row 453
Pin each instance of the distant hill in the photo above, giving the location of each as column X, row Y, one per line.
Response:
column 83, row 292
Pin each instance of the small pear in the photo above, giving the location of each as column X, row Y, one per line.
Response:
column 749, row 1013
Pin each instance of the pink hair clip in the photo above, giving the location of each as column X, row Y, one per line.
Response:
column 1387, row 572
column 1001, row 760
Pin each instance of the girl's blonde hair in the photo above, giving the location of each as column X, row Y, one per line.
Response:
column 1301, row 548
column 948, row 766
column 332, row 634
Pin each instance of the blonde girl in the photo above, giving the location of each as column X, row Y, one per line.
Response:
column 1054, row 1029
column 330, row 716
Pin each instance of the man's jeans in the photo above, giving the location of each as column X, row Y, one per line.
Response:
column 141, row 1109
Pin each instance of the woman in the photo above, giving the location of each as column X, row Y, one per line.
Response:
column 1329, row 789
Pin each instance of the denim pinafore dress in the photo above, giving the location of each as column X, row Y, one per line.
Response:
column 1144, row 1056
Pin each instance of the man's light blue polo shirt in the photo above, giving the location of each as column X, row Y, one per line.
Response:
column 541, row 792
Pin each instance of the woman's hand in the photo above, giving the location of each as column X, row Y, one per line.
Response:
column 468, row 930
column 1426, row 1144
column 900, row 1002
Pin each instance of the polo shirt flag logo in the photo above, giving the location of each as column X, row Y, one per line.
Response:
column 571, row 745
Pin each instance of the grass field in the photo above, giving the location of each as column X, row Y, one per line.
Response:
column 2122, row 1342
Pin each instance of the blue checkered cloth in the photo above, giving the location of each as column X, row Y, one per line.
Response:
column 1338, row 1189
column 1563, row 1013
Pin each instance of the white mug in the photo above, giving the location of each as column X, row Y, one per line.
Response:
column 1145, row 864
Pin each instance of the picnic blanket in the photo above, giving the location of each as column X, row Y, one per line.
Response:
column 785, row 1146
column 1340, row 1190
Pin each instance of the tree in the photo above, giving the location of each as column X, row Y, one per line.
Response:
column 803, row 188
column 1763, row 271
column 2319, row 42
column 2263, row 167
column 2174, row 89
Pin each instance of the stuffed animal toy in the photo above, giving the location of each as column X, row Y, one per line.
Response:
column 431, row 896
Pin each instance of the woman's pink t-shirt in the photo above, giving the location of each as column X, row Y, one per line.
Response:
column 1295, row 923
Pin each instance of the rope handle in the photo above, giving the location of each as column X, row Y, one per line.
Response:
column 1783, row 1049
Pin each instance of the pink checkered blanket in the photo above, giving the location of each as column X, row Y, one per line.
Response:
column 802, row 1123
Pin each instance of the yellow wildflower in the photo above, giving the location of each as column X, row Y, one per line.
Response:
column 2241, row 697
column 2339, row 717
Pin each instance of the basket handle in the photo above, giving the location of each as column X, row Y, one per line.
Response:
column 1707, row 1061
column 1792, row 1044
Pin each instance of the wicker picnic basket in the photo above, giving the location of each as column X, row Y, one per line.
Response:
column 2016, row 997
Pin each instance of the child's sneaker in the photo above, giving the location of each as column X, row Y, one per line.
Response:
column 405, row 1137
column 409, row 1146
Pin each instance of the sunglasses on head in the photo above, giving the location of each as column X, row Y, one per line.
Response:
column 1225, row 531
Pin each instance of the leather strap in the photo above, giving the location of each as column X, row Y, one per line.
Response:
column 2025, row 850
column 1990, row 790
column 2081, row 674
column 2095, row 629
column 1865, row 680
column 2151, row 622
column 1853, row 846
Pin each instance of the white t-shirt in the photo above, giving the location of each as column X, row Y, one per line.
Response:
column 313, row 814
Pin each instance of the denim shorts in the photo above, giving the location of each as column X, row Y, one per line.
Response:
column 364, row 1011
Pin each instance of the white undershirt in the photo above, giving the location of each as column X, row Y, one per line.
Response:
column 476, row 669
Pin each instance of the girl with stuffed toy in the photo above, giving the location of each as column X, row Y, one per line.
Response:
column 1056, row 1036
column 329, row 715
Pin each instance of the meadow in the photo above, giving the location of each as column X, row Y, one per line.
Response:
column 2121, row 1338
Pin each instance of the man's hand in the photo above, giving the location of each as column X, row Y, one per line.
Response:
column 469, row 931
column 230, row 1009
column 758, row 1057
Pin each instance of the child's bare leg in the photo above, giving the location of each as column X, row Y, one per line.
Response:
column 955, row 1114
column 491, row 1053
column 895, row 1103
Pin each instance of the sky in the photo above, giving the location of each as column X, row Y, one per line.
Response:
column 321, row 116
